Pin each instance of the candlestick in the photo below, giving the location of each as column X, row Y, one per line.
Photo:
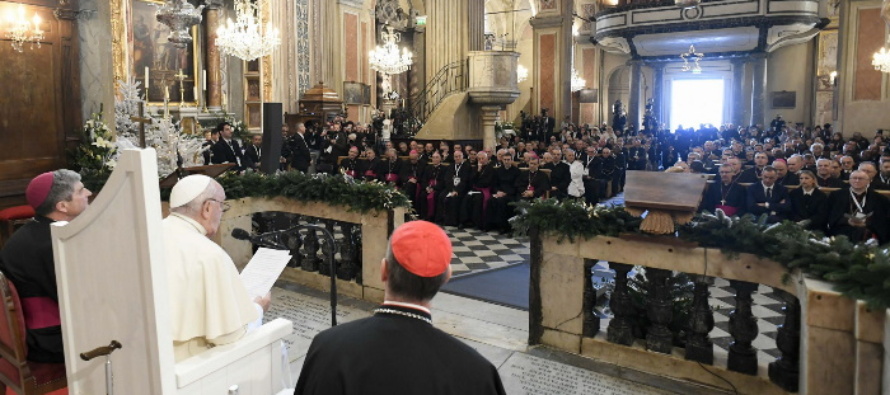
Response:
column 204, row 79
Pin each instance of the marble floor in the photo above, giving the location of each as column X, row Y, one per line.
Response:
column 498, row 333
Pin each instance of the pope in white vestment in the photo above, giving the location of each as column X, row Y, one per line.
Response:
column 209, row 303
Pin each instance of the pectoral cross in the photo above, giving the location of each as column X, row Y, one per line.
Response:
column 142, row 121
column 181, row 77
column 723, row 202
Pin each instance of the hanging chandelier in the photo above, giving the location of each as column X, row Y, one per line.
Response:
column 21, row 29
column 521, row 74
column 246, row 38
column 578, row 83
column 386, row 59
column 179, row 16
column 881, row 60
column 694, row 66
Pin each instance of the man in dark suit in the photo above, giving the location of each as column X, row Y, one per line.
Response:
column 766, row 197
column 397, row 350
column 253, row 153
column 227, row 149
column 299, row 157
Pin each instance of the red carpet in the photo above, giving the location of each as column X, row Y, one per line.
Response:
column 63, row 391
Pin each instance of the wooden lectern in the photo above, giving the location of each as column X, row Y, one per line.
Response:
column 669, row 197
column 112, row 286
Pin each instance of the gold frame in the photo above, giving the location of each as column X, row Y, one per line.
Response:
column 122, row 49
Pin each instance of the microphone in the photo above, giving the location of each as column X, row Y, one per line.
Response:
column 260, row 240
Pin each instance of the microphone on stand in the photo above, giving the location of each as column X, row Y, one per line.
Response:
column 261, row 240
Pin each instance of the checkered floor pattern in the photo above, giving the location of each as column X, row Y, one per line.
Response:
column 476, row 251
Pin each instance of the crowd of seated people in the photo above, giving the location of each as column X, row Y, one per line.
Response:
column 782, row 170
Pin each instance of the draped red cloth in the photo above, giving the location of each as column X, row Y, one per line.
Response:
column 486, row 194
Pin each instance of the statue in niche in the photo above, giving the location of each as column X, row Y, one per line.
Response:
column 619, row 117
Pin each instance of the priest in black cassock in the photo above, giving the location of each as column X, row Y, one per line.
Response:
column 858, row 212
column 533, row 184
column 725, row 194
column 503, row 193
column 475, row 205
column 454, row 190
column 410, row 173
column 431, row 182
column 351, row 165
column 398, row 350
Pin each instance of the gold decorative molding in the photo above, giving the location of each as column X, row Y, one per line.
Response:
column 119, row 8
column 266, row 67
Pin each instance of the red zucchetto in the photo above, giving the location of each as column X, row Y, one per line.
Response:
column 38, row 189
column 422, row 248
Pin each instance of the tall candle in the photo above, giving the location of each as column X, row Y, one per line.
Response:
column 195, row 92
column 146, row 78
column 204, row 79
column 166, row 93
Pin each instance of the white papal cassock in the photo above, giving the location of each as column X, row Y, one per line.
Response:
column 209, row 304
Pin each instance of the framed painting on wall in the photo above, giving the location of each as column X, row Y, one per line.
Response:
column 356, row 93
column 784, row 99
column 150, row 49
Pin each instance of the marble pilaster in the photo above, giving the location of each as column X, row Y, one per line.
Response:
column 634, row 100
column 212, row 63
column 758, row 93
column 552, row 68
column 738, row 89
column 658, row 91
column 489, row 118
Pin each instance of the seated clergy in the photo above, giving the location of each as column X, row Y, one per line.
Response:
column 209, row 303
column 858, row 212
column 27, row 260
column 725, row 194
column 432, row 181
column 533, row 183
column 351, row 165
column 766, row 197
column 458, row 177
column 391, row 166
column 372, row 167
column 409, row 177
column 824, row 177
column 503, row 193
column 475, row 205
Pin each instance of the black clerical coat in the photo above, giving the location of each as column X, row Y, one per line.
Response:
column 391, row 171
column 789, row 179
column 830, row 182
column 390, row 354
column 372, row 170
column 27, row 260
column 458, row 179
column 537, row 182
column 840, row 207
column 252, row 157
column 499, row 209
column 749, row 176
column 561, row 177
column 719, row 194
column 351, row 167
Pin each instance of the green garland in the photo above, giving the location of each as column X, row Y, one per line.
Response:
column 571, row 219
column 334, row 190
column 859, row 271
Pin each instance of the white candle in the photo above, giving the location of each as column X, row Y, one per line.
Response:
column 146, row 78
column 195, row 92
column 166, row 93
column 204, row 79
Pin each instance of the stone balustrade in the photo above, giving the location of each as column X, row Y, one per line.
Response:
column 360, row 245
column 829, row 344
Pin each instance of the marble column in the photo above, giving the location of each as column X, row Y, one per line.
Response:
column 758, row 93
column 489, row 118
column 657, row 92
column 738, row 91
column 633, row 105
column 212, row 63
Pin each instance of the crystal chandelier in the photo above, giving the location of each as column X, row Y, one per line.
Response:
column 521, row 74
column 694, row 67
column 881, row 60
column 246, row 39
column 21, row 30
column 578, row 83
column 179, row 16
column 386, row 59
